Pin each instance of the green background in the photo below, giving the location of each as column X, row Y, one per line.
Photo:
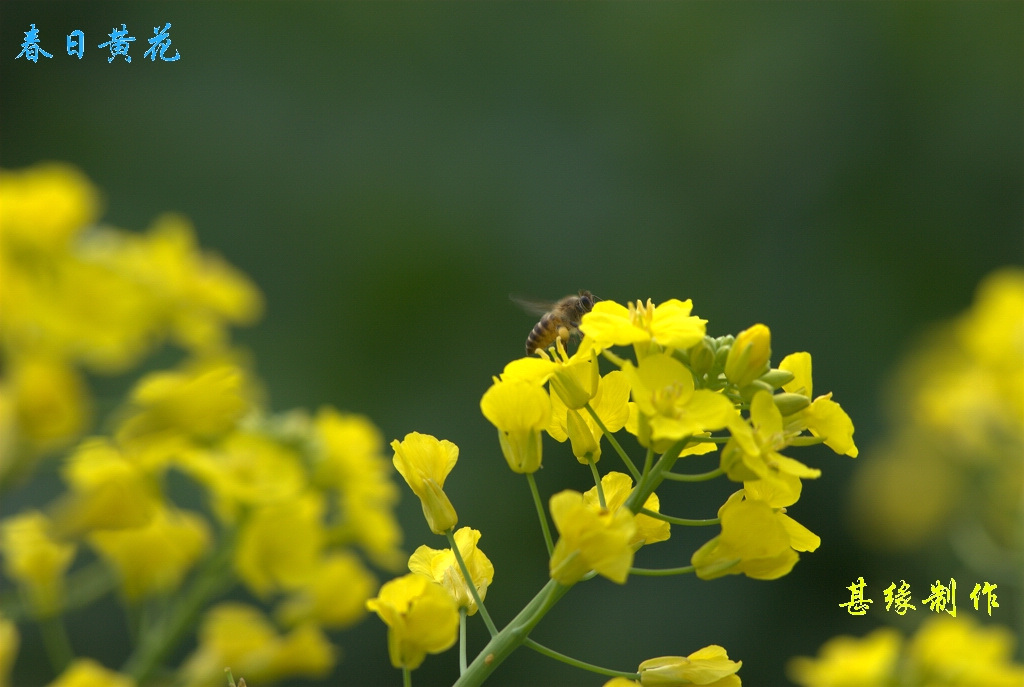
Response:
column 389, row 173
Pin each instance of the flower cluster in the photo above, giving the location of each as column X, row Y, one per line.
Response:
column 945, row 652
column 682, row 393
column 958, row 418
column 291, row 506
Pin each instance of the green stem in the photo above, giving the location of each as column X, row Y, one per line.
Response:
column 597, row 482
column 406, row 677
column 462, row 641
column 214, row 579
column 701, row 477
column 655, row 476
column 551, row 653
column 469, row 582
column 541, row 513
column 662, row 572
column 512, row 635
column 56, row 642
column 686, row 522
column 614, row 442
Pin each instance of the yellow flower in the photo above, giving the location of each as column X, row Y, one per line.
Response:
column 748, row 357
column 945, row 651
column 108, row 490
column 611, row 405
column 617, row 487
column 521, row 410
column 440, row 566
column 669, row 407
column 824, row 417
column 752, row 454
column 421, row 617
column 756, row 540
column 708, row 666
column 43, row 207
column 280, row 543
column 154, row 558
column 351, row 461
column 85, row 672
column 240, row 636
column 669, row 325
column 974, row 654
column 850, row 662
column 197, row 293
column 34, row 560
column 424, row 462
column 9, row 640
column 590, row 539
column 204, row 401
column 51, row 402
column 333, row 596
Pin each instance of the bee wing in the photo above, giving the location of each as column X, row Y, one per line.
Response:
column 534, row 307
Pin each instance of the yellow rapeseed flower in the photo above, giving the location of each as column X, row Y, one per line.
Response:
column 424, row 462
column 611, row 405
column 421, row 617
column 752, row 454
column 669, row 325
column 823, row 417
column 617, row 487
column 756, row 540
column 440, row 566
column 709, row 666
column 850, row 662
column 521, row 410
column 590, row 538
column 43, row 207
column 669, row 406
column 749, row 355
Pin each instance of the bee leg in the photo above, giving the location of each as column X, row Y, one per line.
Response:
column 563, row 334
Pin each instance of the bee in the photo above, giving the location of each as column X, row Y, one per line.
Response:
column 558, row 320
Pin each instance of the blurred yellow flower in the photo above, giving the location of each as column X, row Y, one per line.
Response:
column 351, row 461
column 9, row 640
column 945, row 652
column 85, row 672
column 34, row 560
column 43, row 207
column 240, row 636
column 107, row 490
column 154, row 558
column 279, row 544
column 333, row 595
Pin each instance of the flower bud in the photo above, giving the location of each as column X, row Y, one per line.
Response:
column 702, row 357
column 584, row 445
column 788, row 404
column 703, row 667
column 777, row 378
column 749, row 355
